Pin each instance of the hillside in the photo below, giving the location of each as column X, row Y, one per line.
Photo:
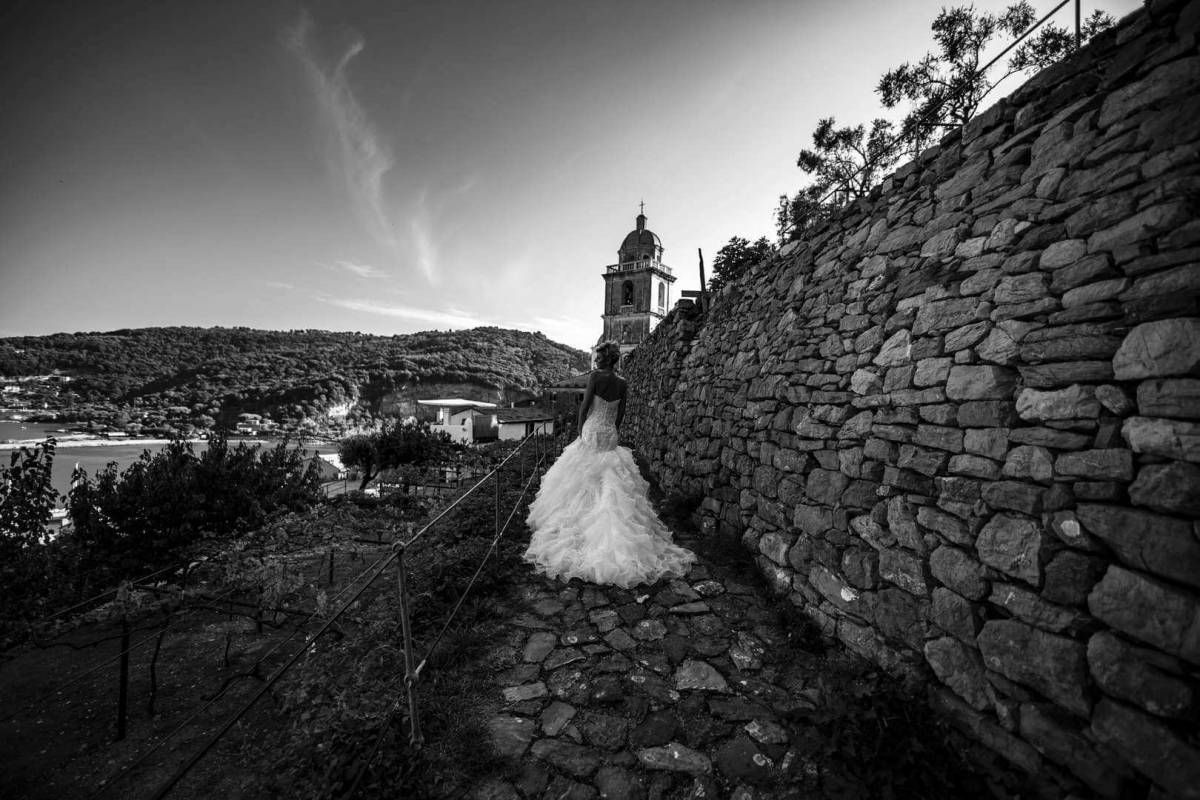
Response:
column 292, row 375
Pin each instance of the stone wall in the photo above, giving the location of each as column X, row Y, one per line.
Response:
column 959, row 426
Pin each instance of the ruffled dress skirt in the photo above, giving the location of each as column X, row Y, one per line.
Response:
column 592, row 519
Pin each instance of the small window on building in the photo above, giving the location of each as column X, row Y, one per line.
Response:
column 662, row 295
column 627, row 293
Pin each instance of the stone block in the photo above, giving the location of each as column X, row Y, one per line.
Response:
column 1049, row 437
column 896, row 350
column 1029, row 461
column 1171, row 438
column 1013, row 496
column 813, row 520
column 1115, row 400
column 942, row 414
column 1162, row 348
column 872, row 532
column 949, row 313
column 1147, row 541
column 989, row 442
column 902, row 524
column 861, row 567
column 1064, row 373
column 962, row 498
column 1140, row 676
column 1054, row 666
column 987, row 414
column 1015, row 545
column 1070, row 576
column 949, row 526
column 838, row 592
column 926, row 462
column 775, row 546
column 1067, row 343
column 1173, row 487
column 1062, row 253
column 904, row 569
column 958, row 667
column 955, row 614
column 980, row 282
column 1143, row 225
column 981, row 728
column 1177, row 398
column 975, row 466
column 998, row 348
column 959, row 571
column 1073, row 402
column 1150, row 746
column 1091, row 268
column 980, row 383
column 1096, row 465
column 901, row 617
column 1165, row 83
column 942, row 438
column 1149, row 610
column 1029, row 287
column 932, row 371
column 964, row 336
column 1027, row 606
column 1095, row 292
column 863, row 381
column 1060, row 739
column 1065, row 525
column 826, row 486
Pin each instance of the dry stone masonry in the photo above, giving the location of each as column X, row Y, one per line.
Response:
column 959, row 424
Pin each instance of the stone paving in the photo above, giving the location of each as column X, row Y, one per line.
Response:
column 627, row 693
column 688, row 688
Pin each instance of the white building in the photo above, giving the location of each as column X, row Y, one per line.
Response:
column 517, row 423
column 465, row 421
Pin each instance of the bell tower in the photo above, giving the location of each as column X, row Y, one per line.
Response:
column 637, row 289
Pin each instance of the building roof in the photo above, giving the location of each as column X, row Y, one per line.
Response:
column 456, row 402
column 573, row 383
column 640, row 243
column 522, row 414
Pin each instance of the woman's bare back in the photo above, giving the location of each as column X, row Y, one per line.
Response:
column 609, row 385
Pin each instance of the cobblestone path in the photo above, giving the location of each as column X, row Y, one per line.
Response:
column 689, row 688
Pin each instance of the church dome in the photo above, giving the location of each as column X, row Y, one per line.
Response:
column 641, row 243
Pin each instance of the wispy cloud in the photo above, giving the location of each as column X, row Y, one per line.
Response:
column 279, row 285
column 452, row 318
column 361, row 270
column 359, row 155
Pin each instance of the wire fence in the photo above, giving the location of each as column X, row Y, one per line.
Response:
column 519, row 471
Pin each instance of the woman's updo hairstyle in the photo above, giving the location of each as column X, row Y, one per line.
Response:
column 607, row 355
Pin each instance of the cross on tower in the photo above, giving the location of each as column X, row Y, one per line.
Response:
column 642, row 207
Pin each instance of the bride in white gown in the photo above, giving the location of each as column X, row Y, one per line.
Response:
column 592, row 518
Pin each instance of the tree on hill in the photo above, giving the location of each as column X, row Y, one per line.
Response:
column 737, row 256
column 399, row 444
column 944, row 89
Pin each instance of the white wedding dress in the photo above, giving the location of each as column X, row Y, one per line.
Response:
column 592, row 518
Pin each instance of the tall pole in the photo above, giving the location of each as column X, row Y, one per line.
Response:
column 1077, row 24
column 703, row 282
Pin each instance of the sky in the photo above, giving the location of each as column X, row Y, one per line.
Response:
column 404, row 165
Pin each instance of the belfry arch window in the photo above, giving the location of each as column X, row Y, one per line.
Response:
column 627, row 293
column 662, row 295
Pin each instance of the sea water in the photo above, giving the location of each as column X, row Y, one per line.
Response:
column 95, row 458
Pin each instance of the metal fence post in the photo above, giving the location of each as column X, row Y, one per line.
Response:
column 497, row 476
column 410, row 671
column 123, row 688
